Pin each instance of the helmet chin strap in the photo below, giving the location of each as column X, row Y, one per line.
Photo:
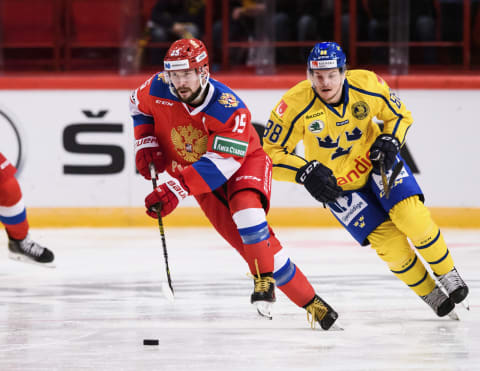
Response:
column 198, row 96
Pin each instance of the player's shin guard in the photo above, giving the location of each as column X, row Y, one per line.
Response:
column 12, row 209
column 393, row 248
column 291, row 281
column 434, row 250
column 413, row 218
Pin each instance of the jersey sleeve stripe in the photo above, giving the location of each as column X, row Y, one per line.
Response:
column 227, row 166
column 213, row 170
column 142, row 119
column 210, row 174
column 296, row 119
column 286, row 167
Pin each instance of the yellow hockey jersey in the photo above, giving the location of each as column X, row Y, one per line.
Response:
column 337, row 136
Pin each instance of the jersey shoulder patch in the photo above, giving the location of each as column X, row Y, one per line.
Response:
column 224, row 102
column 294, row 101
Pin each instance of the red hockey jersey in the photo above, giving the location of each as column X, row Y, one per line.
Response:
column 204, row 145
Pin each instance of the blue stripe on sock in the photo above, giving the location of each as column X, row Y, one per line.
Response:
column 16, row 219
column 254, row 234
column 406, row 269
column 285, row 274
column 441, row 259
column 419, row 282
column 430, row 243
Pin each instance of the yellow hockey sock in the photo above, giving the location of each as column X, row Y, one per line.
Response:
column 392, row 247
column 413, row 218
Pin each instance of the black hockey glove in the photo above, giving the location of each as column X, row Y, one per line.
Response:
column 319, row 181
column 385, row 148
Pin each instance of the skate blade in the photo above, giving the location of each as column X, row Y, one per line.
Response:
column 167, row 292
column 336, row 327
column 466, row 304
column 453, row 315
column 264, row 309
column 24, row 259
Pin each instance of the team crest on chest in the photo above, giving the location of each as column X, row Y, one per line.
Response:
column 228, row 100
column 316, row 126
column 189, row 142
column 360, row 110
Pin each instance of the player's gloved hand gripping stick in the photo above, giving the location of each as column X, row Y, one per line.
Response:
column 382, row 154
column 167, row 288
column 388, row 184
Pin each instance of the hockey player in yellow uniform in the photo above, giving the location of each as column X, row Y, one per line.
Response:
column 346, row 150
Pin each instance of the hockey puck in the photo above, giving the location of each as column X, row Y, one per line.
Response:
column 150, row 341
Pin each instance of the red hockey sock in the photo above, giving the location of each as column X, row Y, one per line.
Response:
column 10, row 195
column 289, row 278
column 260, row 253
column 298, row 289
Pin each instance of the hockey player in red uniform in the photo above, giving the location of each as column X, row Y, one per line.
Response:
column 14, row 217
column 199, row 131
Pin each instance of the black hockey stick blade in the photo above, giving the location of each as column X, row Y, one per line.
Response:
column 167, row 288
column 396, row 170
column 384, row 178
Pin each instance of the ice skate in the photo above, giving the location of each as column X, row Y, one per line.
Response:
column 319, row 311
column 440, row 303
column 264, row 294
column 29, row 251
column 455, row 287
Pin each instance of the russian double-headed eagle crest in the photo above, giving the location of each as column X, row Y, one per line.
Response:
column 228, row 100
column 190, row 143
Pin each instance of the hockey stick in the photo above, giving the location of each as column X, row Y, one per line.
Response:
column 167, row 289
column 388, row 184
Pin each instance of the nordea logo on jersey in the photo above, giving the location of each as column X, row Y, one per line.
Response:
column 316, row 126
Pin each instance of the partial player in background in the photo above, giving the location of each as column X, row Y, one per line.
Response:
column 13, row 216
column 199, row 131
column 345, row 152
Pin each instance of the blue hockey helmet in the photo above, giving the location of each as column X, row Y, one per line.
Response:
column 326, row 55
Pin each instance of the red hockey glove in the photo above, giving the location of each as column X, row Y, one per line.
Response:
column 165, row 198
column 147, row 150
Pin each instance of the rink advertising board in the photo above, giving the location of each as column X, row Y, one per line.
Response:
column 74, row 151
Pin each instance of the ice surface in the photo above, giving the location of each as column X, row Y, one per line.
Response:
column 93, row 311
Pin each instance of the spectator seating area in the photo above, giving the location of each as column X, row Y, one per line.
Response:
column 72, row 35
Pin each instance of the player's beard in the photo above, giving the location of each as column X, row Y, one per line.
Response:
column 190, row 100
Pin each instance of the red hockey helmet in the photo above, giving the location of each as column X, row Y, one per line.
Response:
column 185, row 54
